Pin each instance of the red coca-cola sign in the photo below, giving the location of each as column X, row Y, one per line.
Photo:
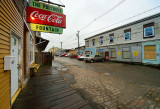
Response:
column 39, row 16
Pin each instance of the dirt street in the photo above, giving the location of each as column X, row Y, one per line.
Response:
column 110, row 85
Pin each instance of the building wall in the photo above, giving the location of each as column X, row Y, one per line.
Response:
column 134, row 45
column 136, row 34
column 10, row 19
column 135, row 52
column 27, row 56
column 91, row 50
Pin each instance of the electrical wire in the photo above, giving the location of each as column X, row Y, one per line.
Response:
column 99, row 17
column 60, row 2
column 103, row 15
column 123, row 20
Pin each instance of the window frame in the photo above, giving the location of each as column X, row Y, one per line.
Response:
column 101, row 39
column 113, row 50
column 147, row 26
column 93, row 42
column 150, row 52
column 111, row 35
column 32, row 47
column 87, row 43
column 127, row 31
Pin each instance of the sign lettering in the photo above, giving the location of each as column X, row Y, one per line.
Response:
column 45, row 28
column 39, row 16
column 46, row 7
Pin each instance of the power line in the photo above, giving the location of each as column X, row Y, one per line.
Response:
column 103, row 15
column 123, row 20
column 99, row 17
column 60, row 2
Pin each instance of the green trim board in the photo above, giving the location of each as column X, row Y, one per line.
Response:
column 46, row 28
column 46, row 7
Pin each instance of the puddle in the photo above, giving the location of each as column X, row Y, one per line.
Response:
column 62, row 69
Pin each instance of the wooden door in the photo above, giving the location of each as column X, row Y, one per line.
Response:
column 107, row 55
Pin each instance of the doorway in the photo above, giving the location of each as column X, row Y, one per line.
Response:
column 107, row 55
column 14, row 69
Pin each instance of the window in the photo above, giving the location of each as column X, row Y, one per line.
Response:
column 148, row 30
column 31, row 49
column 111, row 38
column 87, row 43
column 101, row 40
column 126, row 53
column 150, row 52
column 127, row 34
column 13, row 41
column 93, row 42
column 113, row 53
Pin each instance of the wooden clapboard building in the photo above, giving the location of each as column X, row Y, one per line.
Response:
column 17, row 44
column 11, row 43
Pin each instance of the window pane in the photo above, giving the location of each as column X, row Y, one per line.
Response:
column 148, row 31
column 101, row 40
column 126, row 54
column 113, row 54
column 127, row 36
column 111, row 38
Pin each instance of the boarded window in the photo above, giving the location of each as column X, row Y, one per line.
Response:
column 125, row 53
column 113, row 53
column 150, row 52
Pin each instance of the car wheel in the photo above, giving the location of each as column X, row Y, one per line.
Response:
column 91, row 61
column 103, row 60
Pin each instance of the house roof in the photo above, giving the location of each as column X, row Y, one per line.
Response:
column 126, row 25
column 41, row 45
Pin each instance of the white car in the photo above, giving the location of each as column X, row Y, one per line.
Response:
column 83, row 57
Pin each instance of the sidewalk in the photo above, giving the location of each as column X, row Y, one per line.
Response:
column 49, row 90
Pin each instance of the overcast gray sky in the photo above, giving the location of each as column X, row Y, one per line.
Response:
column 79, row 13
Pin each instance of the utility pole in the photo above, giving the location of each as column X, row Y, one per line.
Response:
column 61, row 47
column 78, row 41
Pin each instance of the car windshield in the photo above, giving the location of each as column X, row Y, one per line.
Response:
column 92, row 56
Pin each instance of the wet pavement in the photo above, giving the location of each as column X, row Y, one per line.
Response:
column 49, row 90
column 112, row 85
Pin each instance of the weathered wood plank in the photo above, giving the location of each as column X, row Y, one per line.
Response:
column 86, row 107
column 77, row 105
column 4, row 33
column 3, row 55
column 4, row 42
column 6, row 51
column 44, row 92
column 4, row 46
column 14, row 12
column 11, row 17
column 67, row 103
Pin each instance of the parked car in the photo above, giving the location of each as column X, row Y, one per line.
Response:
column 79, row 56
column 62, row 55
column 73, row 56
column 94, row 58
column 68, row 55
column 83, row 57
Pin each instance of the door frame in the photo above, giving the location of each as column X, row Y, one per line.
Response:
column 20, row 70
column 108, row 55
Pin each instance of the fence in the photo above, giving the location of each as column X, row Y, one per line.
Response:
column 43, row 58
